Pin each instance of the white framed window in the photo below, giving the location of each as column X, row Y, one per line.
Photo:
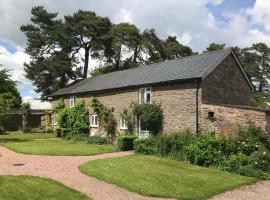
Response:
column 94, row 121
column 145, row 95
column 123, row 124
column 71, row 101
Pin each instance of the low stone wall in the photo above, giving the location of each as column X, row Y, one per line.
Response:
column 218, row 117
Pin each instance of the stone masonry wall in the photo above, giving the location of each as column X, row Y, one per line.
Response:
column 226, row 84
column 226, row 117
column 177, row 101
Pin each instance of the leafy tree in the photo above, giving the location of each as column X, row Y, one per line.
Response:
column 174, row 49
column 256, row 62
column 87, row 32
column 9, row 95
column 214, row 47
column 50, row 67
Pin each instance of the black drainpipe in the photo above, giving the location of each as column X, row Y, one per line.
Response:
column 197, row 106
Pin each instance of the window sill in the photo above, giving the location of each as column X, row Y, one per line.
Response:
column 122, row 128
column 93, row 126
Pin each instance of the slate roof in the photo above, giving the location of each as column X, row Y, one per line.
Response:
column 187, row 68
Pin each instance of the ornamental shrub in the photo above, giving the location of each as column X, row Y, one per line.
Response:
column 144, row 146
column 125, row 143
column 89, row 139
column 75, row 119
column 151, row 115
column 204, row 152
column 64, row 132
column 2, row 130
column 58, row 132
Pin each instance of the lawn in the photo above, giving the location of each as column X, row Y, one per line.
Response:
column 47, row 144
column 153, row 176
column 34, row 188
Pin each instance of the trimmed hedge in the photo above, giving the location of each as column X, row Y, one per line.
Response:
column 58, row 132
column 125, row 143
column 89, row 139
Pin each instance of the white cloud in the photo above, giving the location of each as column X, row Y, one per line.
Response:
column 260, row 13
column 14, row 63
column 190, row 20
column 37, row 104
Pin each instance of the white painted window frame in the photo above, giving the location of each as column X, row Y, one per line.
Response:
column 95, row 125
column 147, row 90
column 123, row 124
column 72, row 101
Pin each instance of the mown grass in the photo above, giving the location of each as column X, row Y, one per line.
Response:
column 34, row 188
column 48, row 144
column 153, row 176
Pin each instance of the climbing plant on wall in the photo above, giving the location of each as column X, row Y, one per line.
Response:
column 106, row 118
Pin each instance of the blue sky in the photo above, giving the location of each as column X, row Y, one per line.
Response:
column 196, row 23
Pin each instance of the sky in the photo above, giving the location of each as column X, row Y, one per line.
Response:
column 195, row 23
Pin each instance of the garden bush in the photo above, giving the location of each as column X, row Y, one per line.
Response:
column 169, row 145
column 144, row 146
column 75, row 118
column 125, row 143
column 2, row 130
column 244, row 152
column 88, row 139
column 58, row 132
column 65, row 132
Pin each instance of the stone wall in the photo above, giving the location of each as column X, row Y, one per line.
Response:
column 178, row 102
column 226, row 84
column 226, row 117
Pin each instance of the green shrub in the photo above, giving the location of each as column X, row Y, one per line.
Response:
column 249, row 170
column 144, row 146
column 151, row 115
column 89, row 139
column 233, row 162
column 75, row 118
column 97, row 140
column 204, row 152
column 125, row 143
column 172, row 144
column 49, row 130
column 252, row 138
column 2, row 130
column 58, row 132
column 64, row 132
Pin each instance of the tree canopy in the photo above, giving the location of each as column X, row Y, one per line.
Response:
column 60, row 48
column 9, row 95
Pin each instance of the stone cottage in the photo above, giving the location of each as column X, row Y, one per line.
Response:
column 197, row 92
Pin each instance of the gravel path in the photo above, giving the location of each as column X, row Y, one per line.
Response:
column 259, row 191
column 65, row 170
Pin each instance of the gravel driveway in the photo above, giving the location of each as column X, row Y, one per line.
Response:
column 65, row 170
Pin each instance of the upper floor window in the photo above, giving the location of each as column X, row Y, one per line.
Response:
column 71, row 101
column 145, row 95
column 94, row 121
column 123, row 123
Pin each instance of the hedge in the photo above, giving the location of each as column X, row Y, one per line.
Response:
column 125, row 143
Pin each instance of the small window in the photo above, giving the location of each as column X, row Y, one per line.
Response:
column 123, row 123
column 211, row 115
column 71, row 101
column 94, row 121
column 145, row 95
